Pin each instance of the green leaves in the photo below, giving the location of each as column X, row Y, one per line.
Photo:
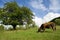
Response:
column 13, row 14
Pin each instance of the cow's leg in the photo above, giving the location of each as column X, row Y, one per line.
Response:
column 44, row 29
column 38, row 30
column 53, row 27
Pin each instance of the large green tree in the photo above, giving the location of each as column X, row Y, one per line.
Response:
column 14, row 15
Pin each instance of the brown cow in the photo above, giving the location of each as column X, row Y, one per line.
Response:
column 47, row 25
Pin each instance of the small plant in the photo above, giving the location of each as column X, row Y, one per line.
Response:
column 1, row 28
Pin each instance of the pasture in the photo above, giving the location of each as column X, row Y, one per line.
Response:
column 31, row 34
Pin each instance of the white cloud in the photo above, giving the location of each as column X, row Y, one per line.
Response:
column 38, row 4
column 38, row 21
column 55, row 5
column 50, row 16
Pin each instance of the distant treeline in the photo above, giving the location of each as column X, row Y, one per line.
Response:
column 56, row 20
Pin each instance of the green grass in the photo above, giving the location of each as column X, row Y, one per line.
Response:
column 31, row 34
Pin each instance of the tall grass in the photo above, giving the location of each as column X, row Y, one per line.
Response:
column 31, row 34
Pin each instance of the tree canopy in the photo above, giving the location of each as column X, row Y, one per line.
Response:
column 13, row 14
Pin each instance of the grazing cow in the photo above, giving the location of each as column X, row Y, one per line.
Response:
column 47, row 25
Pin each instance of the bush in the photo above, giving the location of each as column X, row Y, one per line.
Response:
column 1, row 28
column 24, row 27
column 57, row 21
column 21, row 27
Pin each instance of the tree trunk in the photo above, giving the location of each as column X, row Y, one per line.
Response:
column 14, row 27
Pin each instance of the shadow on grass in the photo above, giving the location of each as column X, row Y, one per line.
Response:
column 49, row 31
column 46, row 32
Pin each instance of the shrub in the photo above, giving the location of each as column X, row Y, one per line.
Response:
column 1, row 28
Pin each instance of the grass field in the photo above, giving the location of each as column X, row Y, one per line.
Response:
column 31, row 34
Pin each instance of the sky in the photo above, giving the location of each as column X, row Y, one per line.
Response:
column 44, row 10
column 39, row 7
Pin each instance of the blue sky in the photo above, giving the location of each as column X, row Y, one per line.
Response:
column 39, row 7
